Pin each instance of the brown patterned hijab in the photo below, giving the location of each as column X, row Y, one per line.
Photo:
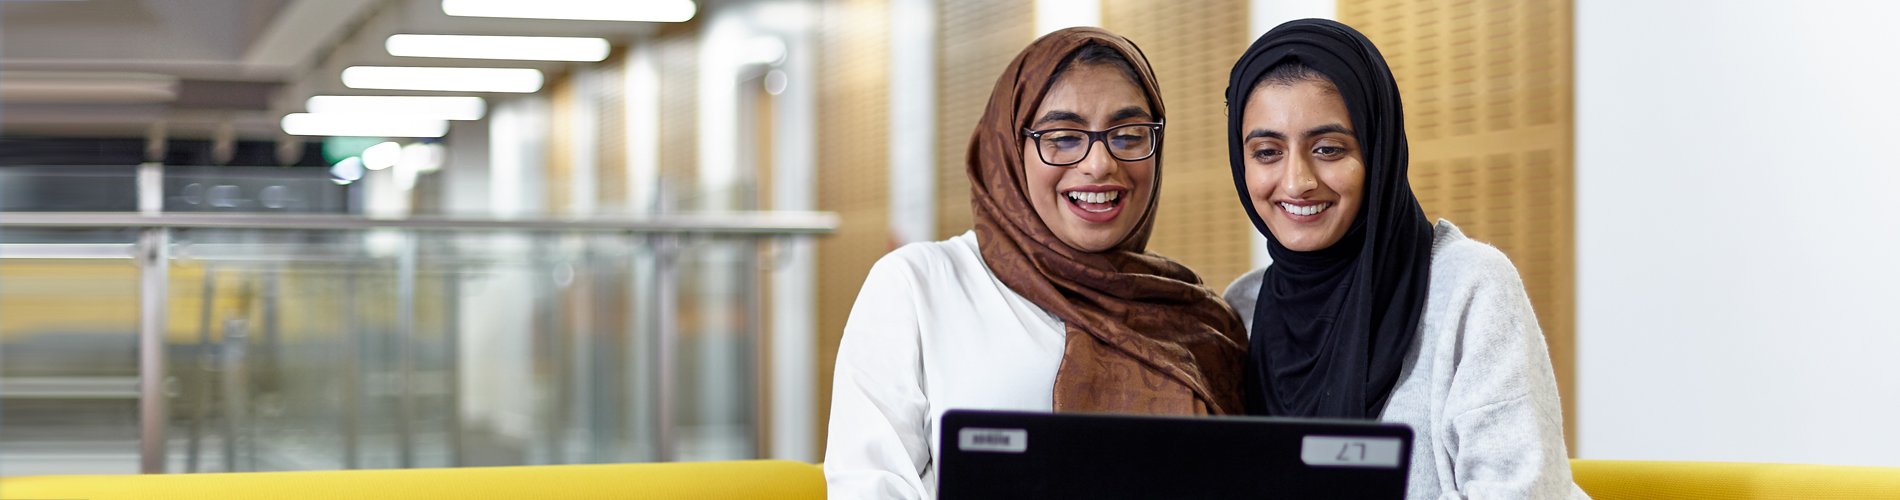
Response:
column 1143, row 334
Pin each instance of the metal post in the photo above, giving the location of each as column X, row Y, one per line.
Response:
column 352, row 369
column 452, row 340
column 581, row 357
column 154, row 283
column 666, row 344
column 264, row 365
column 639, row 351
column 554, row 355
column 270, row 332
column 154, row 280
column 761, row 359
column 206, row 362
column 406, row 349
column 611, row 392
column 236, row 388
column 610, row 395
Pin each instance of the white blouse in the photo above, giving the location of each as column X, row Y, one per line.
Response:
column 932, row 330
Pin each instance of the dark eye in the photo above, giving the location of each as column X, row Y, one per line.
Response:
column 1267, row 155
column 1329, row 151
column 1063, row 140
column 1128, row 139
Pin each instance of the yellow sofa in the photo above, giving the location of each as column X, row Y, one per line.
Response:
column 742, row 480
column 1640, row 480
column 777, row 479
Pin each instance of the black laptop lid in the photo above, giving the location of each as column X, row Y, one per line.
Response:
column 1010, row 455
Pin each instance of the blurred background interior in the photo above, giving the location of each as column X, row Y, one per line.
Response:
column 259, row 235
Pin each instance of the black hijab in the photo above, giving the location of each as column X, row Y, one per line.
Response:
column 1332, row 326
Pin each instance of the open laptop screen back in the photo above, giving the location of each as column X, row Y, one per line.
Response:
column 1010, row 455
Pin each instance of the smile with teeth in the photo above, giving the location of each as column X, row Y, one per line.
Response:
column 1306, row 210
column 1108, row 198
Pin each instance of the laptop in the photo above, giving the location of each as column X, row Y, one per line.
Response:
column 994, row 455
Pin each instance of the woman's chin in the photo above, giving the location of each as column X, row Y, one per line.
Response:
column 1090, row 239
column 1307, row 242
column 1303, row 236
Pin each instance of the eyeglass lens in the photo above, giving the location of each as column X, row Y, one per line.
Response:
column 1126, row 143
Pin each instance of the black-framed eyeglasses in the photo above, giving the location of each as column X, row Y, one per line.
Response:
column 1061, row 147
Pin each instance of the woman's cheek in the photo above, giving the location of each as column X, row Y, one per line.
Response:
column 1259, row 183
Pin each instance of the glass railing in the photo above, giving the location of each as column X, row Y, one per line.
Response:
column 207, row 342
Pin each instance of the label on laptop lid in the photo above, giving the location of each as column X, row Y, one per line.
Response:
column 1350, row 451
column 992, row 440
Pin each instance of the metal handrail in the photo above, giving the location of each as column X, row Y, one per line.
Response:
column 774, row 222
column 153, row 252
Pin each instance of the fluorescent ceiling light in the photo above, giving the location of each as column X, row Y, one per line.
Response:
column 662, row 11
column 381, row 156
column 438, row 107
column 443, row 79
column 532, row 48
column 363, row 125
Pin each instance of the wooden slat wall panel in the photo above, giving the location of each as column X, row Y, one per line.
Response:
column 611, row 180
column 560, row 152
column 1487, row 88
column 978, row 38
column 679, row 112
column 853, row 107
column 1192, row 46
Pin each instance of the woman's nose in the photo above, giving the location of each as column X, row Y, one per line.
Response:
column 1298, row 178
column 1099, row 163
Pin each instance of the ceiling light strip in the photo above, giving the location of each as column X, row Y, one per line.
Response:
column 662, row 11
column 362, row 125
column 438, row 107
column 528, row 48
column 520, row 80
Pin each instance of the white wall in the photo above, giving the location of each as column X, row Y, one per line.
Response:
column 517, row 149
column 913, row 121
column 794, row 314
column 497, row 380
column 464, row 174
column 1264, row 15
column 1738, row 231
column 1053, row 15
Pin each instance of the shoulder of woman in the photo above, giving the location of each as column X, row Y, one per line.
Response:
column 1461, row 261
column 899, row 283
column 1243, row 293
column 1247, row 286
column 917, row 260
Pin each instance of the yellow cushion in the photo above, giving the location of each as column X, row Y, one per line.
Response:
column 751, row 479
column 1638, row 480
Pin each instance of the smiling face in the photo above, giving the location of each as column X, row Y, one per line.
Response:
column 1305, row 172
column 1091, row 205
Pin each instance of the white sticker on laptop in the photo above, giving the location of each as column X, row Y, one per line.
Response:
column 1350, row 451
column 992, row 440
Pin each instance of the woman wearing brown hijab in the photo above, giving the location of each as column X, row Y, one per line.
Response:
column 1052, row 303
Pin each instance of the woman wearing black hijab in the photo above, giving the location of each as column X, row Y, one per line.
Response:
column 1369, row 310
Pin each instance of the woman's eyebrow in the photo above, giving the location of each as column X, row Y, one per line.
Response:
column 1329, row 129
column 1261, row 132
column 1130, row 112
column 1058, row 116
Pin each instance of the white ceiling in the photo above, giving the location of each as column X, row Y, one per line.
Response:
column 289, row 49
